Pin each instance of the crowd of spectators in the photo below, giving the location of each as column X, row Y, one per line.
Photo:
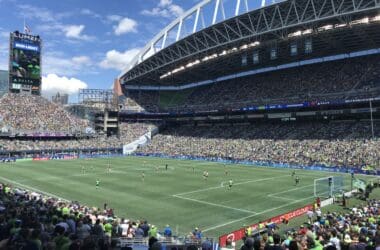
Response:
column 31, row 113
column 138, row 101
column 356, row 229
column 128, row 133
column 317, row 82
column 30, row 220
column 329, row 81
column 134, row 130
column 309, row 143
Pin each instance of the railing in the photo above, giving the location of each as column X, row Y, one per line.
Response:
column 168, row 242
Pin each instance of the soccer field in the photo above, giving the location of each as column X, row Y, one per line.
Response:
column 178, row 196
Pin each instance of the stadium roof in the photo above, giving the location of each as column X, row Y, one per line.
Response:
column 227, row 47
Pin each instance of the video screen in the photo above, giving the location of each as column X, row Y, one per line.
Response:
column 25, row 60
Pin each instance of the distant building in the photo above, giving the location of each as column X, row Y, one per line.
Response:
column 60, row 99
column 4, row 82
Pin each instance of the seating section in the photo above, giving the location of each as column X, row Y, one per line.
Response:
column 336, row 80
column 311, row 143
column 30, row 113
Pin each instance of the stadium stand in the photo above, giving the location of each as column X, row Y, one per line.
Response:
column 310, row 143
column 32, row 123
column 357, row 228
column 128, row 132
column 336, row 80
column 31, row 220
column 31, row 113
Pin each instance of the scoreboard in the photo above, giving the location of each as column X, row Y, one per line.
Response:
column 24, row 63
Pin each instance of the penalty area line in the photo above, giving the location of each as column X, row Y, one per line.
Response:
column 215, row 204
column 221, row 186
column 253, row 215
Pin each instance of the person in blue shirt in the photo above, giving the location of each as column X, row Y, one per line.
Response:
column 167, row 231
column 197, row 233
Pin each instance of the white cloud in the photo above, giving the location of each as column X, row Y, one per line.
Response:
column 4, row 50
column 58, row 63
column 114, row 18
column 118, row 60
column 33, row 12
column 125, row 25
column 52, row 21
column 85, row 60
column 88, row 12
column 165, row 8
column 52, row 83
column 75, row 32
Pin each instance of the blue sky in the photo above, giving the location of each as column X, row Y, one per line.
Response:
column 87, row 43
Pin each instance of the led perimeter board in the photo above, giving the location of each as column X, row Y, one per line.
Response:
column 25, row 63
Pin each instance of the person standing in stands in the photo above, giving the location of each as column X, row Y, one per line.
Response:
column 167, row 231
column 152, row 231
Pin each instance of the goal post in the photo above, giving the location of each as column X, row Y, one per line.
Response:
column 328, row 186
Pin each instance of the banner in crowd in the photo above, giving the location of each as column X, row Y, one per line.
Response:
column 55, row 157
column 359, row 184
column 24, row 159
column 239, row 234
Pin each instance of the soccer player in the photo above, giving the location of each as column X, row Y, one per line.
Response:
column 83, row 170
column 293, row 173
column 166, row 167
column 97, row 183
column 230, row 183
column 143, row 176
column 109, row 168
column 205, row 175
column 297, row 180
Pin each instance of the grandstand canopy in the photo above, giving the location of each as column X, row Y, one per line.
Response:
column 252, row 38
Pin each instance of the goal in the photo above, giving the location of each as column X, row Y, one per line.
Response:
column 328, row 186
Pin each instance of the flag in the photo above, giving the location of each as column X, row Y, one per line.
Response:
column 359, row 184
column 27, row 29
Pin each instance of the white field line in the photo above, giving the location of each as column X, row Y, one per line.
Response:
column 286, row 191
column 215, row 204
column 217, row 187
column 253, row 215
column 29, row 188
column 262, row 212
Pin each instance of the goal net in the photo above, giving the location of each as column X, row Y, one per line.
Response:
column 328, row 186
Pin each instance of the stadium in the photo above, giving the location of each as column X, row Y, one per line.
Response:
column 233, row 128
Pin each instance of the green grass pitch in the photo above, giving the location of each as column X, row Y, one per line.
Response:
column 179, row 196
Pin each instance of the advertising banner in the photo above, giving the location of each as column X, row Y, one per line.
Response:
column 239, row 234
